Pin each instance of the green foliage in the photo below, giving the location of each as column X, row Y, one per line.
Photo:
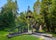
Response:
column 44, row 13
column 22, row 21
column 53, row 15
column 8, row 14
column 47, row 13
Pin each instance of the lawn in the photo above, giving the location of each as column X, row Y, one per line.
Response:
column 21, row 37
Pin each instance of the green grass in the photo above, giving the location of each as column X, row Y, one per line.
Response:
column 25, row 37
column 54, row 35
column 21, row 37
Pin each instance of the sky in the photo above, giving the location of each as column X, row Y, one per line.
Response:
column 22, row 4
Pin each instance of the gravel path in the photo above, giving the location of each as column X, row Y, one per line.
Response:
column 40, row 35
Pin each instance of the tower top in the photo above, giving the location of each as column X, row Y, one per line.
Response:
column 29, row 10
column 28, row 7
column 16, row 1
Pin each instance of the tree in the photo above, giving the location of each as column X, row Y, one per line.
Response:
column 53, row 15
column 37, row 15
column 8, row 14
column 22, row 21
column 45, row 12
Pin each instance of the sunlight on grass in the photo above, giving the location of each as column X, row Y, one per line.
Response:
column 25, row 37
